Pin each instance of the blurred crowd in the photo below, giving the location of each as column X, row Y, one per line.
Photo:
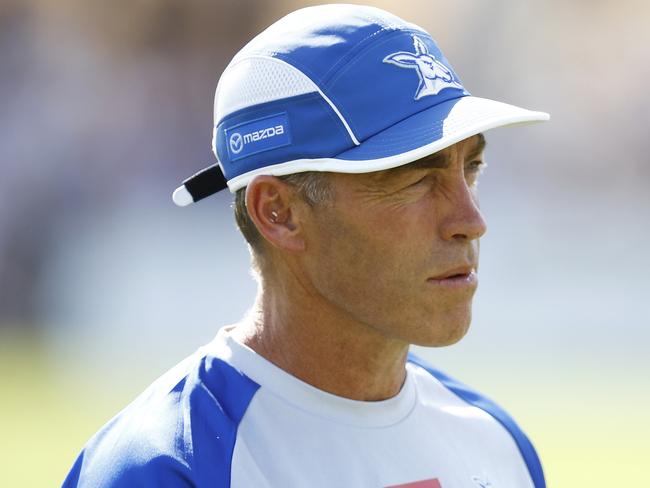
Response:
column 100, row 99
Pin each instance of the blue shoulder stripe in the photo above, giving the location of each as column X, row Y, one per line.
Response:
column 171, row 437
column 474, row 398
column 217, row 417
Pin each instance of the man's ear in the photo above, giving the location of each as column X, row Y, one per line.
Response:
column 272, row 206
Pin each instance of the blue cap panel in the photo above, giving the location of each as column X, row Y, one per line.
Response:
column 300, row 127
column 400, row 74
column 416, row 131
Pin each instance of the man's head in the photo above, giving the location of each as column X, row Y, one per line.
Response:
column 352, row 147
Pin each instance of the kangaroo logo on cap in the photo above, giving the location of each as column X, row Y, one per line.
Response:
column 434, row 76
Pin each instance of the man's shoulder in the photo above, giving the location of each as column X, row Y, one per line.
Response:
column 178, row 431
column 477, row 399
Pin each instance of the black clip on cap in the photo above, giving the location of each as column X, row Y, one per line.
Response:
column 206, row 182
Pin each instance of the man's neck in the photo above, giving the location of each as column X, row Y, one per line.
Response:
column 324, row 347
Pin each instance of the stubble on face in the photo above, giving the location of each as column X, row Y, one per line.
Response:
column 374, row 251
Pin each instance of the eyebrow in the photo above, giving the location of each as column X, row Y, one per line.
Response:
column 439, row 160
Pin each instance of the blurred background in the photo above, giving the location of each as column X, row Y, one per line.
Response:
column 104, row 283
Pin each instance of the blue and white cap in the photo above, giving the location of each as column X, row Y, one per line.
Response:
column 342, row 88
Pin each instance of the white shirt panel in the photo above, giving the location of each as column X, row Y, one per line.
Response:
column 294, row 435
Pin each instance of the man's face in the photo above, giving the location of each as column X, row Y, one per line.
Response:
column 397, row 250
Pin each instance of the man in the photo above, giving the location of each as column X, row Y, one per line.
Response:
column 354, row 152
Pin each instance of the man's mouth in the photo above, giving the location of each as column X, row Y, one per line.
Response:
column 460, row 276
column 458, row 272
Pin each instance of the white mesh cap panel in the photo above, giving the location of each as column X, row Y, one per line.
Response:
column 256, row 80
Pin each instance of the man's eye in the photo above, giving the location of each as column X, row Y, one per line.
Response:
column 418, row 181
column 475, row 166
column 473, row 170
column 422, row 180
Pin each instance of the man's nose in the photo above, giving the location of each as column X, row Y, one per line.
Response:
column 464, row 220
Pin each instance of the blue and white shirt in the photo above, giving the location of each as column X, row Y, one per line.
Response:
column 227, row 417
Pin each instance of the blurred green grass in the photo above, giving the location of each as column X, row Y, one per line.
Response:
column 595, row 436
column 45, row 419
column 589, row 432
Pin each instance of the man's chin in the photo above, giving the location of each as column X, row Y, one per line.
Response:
column 446, row 334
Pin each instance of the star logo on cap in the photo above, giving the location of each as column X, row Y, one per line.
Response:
column 434, row 76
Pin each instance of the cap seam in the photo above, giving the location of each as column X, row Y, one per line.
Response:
column 298, row 67
column 254, row 109
column 411, row 115
column 271, row 58
column 350, row 55
column 355, row 56
column 260, row 108
column 320, row 91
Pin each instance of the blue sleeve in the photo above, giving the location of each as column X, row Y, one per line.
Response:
column 472, row 397
column 145, row 445
column 159, row 471
column 181, row 435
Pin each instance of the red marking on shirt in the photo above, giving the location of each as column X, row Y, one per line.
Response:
column 433, row 483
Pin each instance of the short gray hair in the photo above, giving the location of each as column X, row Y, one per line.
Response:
column 312, row 186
